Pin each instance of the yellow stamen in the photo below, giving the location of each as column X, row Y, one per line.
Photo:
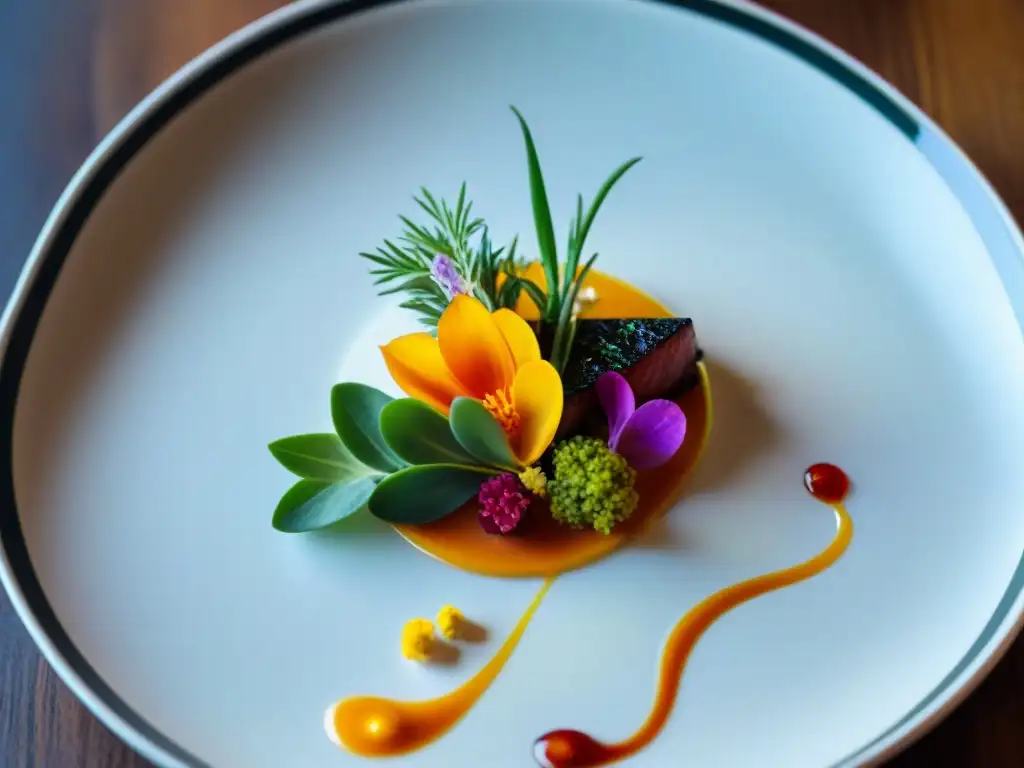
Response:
column 534, row 480
column 500, row 406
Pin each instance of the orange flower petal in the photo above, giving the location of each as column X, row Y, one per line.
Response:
column 521, row 340
column 537, row 398
column 415, row 364
column 473, row 348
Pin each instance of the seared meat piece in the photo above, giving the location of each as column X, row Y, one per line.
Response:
column 658, row 356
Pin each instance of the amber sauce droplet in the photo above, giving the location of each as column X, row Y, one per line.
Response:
column 371, row 726
column 574, row 749
column 827, row 483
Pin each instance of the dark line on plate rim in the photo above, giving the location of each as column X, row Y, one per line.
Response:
column 27, row 319
column 810, row 54
column 24, row 323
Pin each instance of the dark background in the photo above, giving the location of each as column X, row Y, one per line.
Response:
column 70, row 69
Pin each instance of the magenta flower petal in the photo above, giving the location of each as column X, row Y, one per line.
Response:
column 652, row 434
column 617, row 400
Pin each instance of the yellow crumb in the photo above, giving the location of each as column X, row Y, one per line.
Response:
column 417, row 639
column 449, row 621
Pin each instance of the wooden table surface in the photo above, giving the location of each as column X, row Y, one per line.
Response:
column 74, row 67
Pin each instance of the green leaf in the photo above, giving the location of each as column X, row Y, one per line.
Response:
column 541, row 212
column 572, row 258
column 418, row 283
column 420, row 435
column 376, row 259
column 508, row 296
column 425, row 308
column 321, row 457
column 426, row 493
column 460, row 205
column 481, row 435
column 584, row 223
column 565, row 331
column 534, row 291
column 356, row 409
column 309, row 505
column 602, row 193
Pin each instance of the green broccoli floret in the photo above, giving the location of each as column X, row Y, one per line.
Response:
column 591, row 485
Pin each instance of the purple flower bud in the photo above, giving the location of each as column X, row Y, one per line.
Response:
column 446, row 274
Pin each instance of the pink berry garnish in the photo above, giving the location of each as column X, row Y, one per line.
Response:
column 503, row 501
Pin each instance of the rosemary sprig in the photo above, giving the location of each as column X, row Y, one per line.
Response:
column 433, row 262
column 556, row 303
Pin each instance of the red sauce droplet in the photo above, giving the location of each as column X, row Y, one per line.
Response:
column 827, row 483
column 571, row 749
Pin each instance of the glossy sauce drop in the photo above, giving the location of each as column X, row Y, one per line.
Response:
column 827, row 483
column 371, row 726
column 574, row 749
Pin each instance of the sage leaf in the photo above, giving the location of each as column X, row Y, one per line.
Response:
column 321, row 457
column 355, row 409
column 481, row 435
column 310, row 504
column 422, row 494
column 418, row 434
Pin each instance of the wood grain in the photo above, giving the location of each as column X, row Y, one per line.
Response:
column 960, row 60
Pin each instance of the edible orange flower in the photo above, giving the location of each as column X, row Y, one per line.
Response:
column 490, row 357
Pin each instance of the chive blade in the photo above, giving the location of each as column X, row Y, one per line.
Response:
column 602, row 193
column 541, row 216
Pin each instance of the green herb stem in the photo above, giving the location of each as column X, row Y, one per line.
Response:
column 563, row 283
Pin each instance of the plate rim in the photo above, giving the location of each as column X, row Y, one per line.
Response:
column 988, row 213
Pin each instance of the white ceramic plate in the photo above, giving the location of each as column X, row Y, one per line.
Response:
column 856, row 284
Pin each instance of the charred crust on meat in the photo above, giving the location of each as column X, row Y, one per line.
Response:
column 658, row 356
column 614, row 345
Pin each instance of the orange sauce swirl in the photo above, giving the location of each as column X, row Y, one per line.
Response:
column 574, row 749
column 371, row 726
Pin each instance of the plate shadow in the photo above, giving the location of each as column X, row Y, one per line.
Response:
column 742, row 431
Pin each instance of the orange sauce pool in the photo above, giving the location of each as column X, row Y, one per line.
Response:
column 542, row 546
